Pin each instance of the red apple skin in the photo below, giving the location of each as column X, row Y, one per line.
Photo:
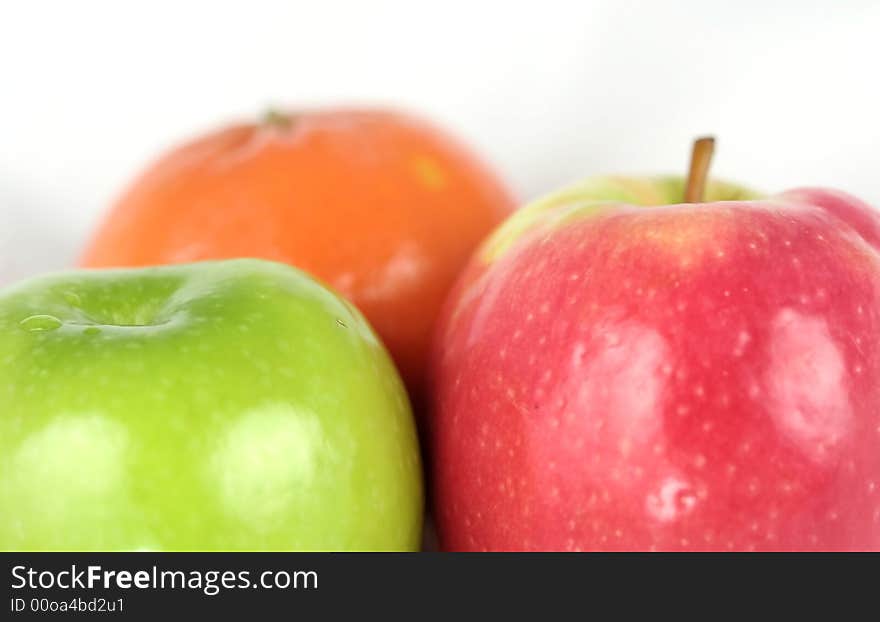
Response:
column 855, row 212
column 687, row 377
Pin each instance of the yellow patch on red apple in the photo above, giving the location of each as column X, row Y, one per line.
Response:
column 688, row 234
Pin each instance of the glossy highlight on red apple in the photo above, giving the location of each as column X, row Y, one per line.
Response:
column 615, row 371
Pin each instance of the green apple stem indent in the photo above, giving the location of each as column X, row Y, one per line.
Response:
column 701, row 158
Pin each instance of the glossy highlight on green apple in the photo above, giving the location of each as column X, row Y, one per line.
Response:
column 233, row 405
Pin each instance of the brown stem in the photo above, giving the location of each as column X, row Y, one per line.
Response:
column 701, row 158
column 274, row 118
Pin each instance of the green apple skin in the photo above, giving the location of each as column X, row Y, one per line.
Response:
column 594, row 196
column 233, row 405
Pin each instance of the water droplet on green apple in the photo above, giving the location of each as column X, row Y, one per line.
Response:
column 72, row 298
column 40, row 323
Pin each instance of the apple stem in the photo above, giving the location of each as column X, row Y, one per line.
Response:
column 701, row 158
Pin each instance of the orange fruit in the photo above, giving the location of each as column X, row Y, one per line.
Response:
column 380, row 205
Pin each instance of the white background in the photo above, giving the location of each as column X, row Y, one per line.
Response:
column 548, row 91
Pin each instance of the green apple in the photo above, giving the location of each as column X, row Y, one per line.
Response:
column 234, row 405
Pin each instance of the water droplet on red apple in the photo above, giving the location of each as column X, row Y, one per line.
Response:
column 673, row 498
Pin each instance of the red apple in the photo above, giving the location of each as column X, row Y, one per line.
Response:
column 682, row 377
